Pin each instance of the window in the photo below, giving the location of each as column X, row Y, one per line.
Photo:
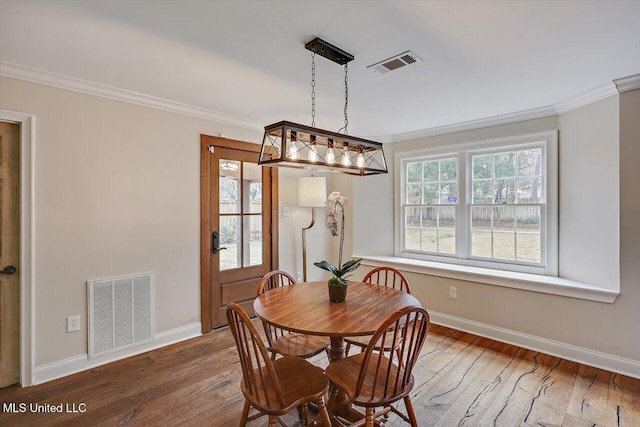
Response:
column 430, row 210
column 488, row 204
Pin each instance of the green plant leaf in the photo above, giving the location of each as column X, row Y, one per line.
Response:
column 350, row 266
column 329, row 267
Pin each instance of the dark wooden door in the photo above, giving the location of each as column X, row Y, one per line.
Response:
column 238, row 214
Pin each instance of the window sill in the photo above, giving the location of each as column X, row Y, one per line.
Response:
column 509, row 279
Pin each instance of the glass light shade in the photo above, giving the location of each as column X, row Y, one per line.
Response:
column 293, row 151
column 312, row 191
column 313, row 153
column 331, row 156
column 346, row 160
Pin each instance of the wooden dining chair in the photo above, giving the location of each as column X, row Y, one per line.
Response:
column 274, row 387
column 372, row 380
column 389, row 277
column 383, row 276
column 281, row 341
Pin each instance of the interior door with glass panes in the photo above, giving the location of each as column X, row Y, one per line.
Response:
column 240, row 229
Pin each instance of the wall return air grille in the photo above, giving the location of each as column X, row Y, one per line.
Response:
column 395, row 62
column 121, row 313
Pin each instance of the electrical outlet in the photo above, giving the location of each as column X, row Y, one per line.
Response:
column 73, row 324
column 299, row 279
column 453, row 292
column 286, row 211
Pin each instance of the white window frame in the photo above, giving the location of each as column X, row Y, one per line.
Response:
column 548, row 141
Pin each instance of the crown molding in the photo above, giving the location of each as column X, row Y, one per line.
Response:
column 625, row 84
column 90, row 88
column 603, row 91
column 77, row 85
column 534, row 113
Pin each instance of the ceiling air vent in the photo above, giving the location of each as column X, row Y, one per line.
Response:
column 395, row 62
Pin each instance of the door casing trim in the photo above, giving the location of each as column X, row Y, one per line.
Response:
column 27, row 244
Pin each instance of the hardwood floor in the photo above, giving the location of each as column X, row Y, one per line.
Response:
column 461, row 380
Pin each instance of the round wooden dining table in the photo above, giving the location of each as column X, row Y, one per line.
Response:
column 305, row 308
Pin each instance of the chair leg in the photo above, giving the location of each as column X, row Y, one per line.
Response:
column 272, row 421
column 245, row 414
column 346, row 349
column 410, row 412
column 322, row 408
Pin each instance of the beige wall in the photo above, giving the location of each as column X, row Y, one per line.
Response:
column 318, row 237
column 117, row 189
column 604, row 137
column 590, row 200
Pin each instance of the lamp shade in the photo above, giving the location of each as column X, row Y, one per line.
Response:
column 312, row 191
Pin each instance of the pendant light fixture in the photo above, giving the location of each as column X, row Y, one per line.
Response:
column 307, row 147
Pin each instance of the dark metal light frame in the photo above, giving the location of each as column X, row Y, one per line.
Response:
column 294, row 145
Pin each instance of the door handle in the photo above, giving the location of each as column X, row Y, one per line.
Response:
column 215, row 242
column 10, row 269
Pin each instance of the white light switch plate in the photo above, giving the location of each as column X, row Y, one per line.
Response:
column 286, row 211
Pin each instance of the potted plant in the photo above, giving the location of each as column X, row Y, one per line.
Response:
column 338, row 282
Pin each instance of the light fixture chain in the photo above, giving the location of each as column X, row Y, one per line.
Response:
column 346, row 97
column 313, row 88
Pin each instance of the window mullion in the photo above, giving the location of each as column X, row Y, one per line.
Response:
column 462, row 218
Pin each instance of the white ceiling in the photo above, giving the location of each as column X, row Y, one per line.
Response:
column 247, row 59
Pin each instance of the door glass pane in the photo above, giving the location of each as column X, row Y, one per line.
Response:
column 229, row 238
column 252, row 188
column 252, row 240
column 229, row 186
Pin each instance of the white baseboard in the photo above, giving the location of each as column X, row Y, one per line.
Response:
column 582, row 355
column 72, row 365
